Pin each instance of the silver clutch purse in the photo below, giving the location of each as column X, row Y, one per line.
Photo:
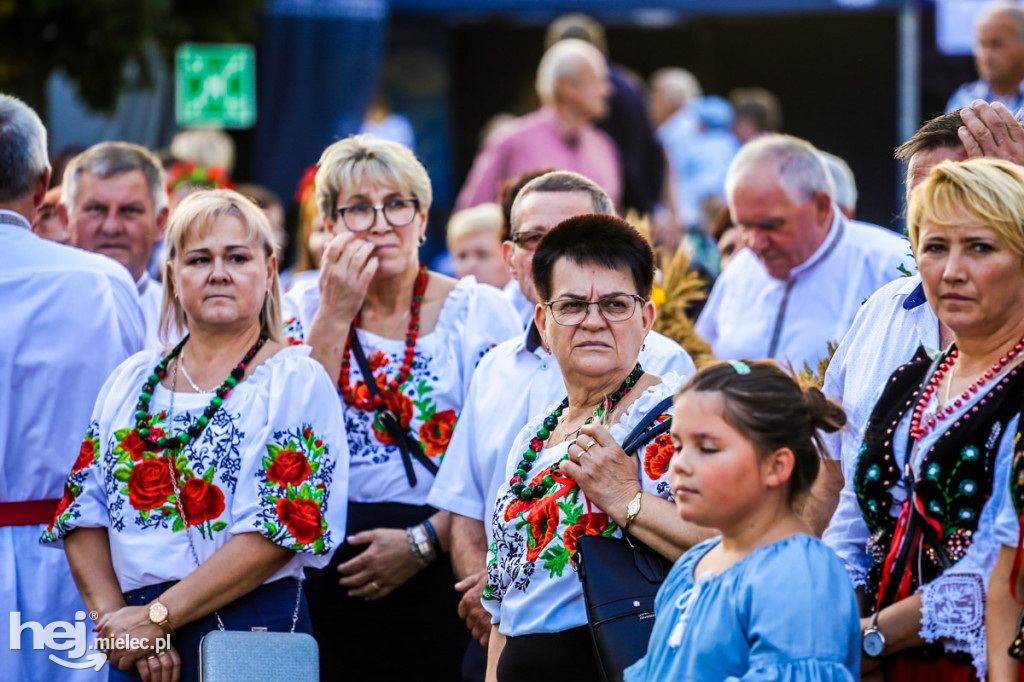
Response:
column 245, row 656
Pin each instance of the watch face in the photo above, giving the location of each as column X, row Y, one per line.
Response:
column 633, row 507
column 157, row 612
column 874, row 643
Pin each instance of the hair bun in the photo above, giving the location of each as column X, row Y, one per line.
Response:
column 825, row 414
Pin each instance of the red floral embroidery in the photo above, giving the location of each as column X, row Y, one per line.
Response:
column 400, row 405
column 587, row 524
column 543, row 524
column 86, row 455
column 201, row 501
column 436, row 433
column 150, row 483
column 378, row 360
column 657, row 457
column 133, row 445
column 289, row 468
column 62, row 506
column 302, row 519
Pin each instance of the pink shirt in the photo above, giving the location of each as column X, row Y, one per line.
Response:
column 541, row 139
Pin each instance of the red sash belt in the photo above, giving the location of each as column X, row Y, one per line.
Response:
column 29, row 513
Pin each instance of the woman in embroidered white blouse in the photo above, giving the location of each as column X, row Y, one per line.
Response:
column 915, row 522
column 567, row 475
column 378, row 311
column 210, row 473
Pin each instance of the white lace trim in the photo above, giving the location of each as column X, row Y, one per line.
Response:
column 953, row 608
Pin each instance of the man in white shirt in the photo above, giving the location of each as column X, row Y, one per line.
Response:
column 999, row 58
column 114, row 202
column 69, row 319
column 806, row 269
column 897, row 319
column 515, row 381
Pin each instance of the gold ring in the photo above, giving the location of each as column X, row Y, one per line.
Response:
column 591, row 444
column 375, row 586
column 152, row 656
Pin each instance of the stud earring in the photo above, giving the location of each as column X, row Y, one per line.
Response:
column 422, row 239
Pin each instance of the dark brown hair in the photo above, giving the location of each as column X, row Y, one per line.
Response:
column 938, row 133
column 510, row 190
column 594, row 239
column 773, row 410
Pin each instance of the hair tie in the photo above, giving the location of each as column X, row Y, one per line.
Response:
column 740, row 366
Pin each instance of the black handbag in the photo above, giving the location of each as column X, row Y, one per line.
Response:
column 620, row 579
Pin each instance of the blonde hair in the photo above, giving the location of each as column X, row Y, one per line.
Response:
column 990, row 190
column 349, row 162
column 196, row 212
column 481, row 218
column 309, row 216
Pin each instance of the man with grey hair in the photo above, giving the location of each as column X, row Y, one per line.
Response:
column 999, row 58
column 573, row 87
column 806, row 268
column 516, row 380
column 845, row 182
column 114, row 202
column 70, row 318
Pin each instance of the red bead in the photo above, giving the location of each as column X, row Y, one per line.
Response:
column 940, row 416
column 949, row 409
column 988, row 374
column 974, row 388
column 958, row 402
column 931, row 421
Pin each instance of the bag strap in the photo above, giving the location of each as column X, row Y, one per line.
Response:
column 173, row 466
column 407, row 445
column 637, row 436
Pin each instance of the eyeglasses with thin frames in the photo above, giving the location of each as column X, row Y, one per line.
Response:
column 570, row 312
column 362, row 217
column 528, row 241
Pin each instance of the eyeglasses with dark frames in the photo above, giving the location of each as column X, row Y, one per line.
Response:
column 570, row 312
column 362, row 217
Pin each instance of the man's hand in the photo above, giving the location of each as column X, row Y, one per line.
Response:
column 991, row 131
column 478, row 620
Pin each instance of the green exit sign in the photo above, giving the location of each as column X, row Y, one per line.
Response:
column 215, row 85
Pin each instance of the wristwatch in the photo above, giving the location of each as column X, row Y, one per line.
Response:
column 158, row 615
column 874, row 641
column 632, row 510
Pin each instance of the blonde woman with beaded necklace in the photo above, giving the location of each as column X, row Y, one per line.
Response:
column 915, row 523
column 212, row 474
column 421, row 335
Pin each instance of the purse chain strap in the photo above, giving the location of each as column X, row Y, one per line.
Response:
column 181, row 512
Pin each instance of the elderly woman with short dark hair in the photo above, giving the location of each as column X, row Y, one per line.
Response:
column 567, row 475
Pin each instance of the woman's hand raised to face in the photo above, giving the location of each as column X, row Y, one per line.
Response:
column 607, row 475
column 346, row 270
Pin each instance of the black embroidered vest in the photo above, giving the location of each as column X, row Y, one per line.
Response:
column 955, row 478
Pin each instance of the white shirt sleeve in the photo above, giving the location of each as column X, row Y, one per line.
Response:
column 293, row 483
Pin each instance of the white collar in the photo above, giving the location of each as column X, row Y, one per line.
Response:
column 827, row 246
column 143, row 282
column 8, row 217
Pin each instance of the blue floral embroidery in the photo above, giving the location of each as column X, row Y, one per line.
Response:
column 968, row 487
column 970, row 453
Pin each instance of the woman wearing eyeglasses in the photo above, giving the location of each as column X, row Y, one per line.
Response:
column 376, row 310
column 567, row 475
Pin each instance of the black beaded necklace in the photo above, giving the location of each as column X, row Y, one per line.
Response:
column 143, row 418
column 527, row 492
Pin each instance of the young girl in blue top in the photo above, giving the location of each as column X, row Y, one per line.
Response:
column 765, row 600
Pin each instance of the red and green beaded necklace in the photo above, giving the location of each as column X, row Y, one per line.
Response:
column 526, row 492
column 143, row 418
column 372, row 402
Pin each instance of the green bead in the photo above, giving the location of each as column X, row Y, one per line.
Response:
column 521, row 473
column 144, row 433
column 548, row 481
column 146, row 395
column 203, row 421
column 530, row 456
column 141, row 414
column 161, row 443
column 183, row 438
column 153, row 378
column 543, row 433
column 230, row 382
column 217, row 401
